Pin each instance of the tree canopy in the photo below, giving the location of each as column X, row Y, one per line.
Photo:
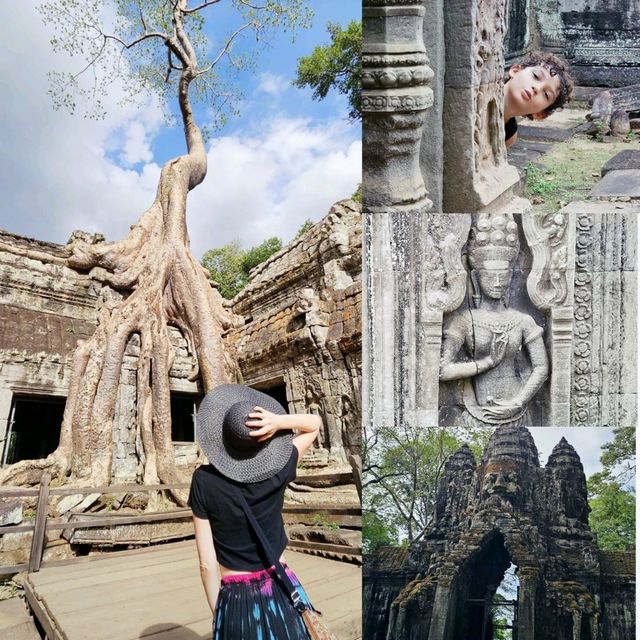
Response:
column 401, row 472
column 230, row 266
column 139, row 45
column 337, row 65
column 611, row 492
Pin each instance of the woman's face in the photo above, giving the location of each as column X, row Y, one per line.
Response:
column 494, row 278
column 530, row 90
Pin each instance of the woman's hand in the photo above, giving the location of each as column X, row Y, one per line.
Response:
column 264, row 422
column 502, row 409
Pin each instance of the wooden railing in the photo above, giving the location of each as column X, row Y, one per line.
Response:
column 345, row 516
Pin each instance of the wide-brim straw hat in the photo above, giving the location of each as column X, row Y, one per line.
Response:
column 225, row 440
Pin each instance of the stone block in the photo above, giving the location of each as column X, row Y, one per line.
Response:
column 624, row 160
column 67, row 503
column 10, row 512
column 16, row 541
column 618, row 184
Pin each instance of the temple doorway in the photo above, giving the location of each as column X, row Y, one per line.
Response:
column 487, row 602
column 34, row 427
column 275, row 388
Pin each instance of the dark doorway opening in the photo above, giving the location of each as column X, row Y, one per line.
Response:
column 34, row 428
column 487, row 600
column 184, row 407
column 516, row 38
column 277, row 390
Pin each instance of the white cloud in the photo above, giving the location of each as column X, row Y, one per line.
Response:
column 272, row 84
column 270, row 183
column 63, row 172
column 59, row 171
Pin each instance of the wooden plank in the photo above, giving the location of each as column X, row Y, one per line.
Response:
column 158, row 595
column 16, row 568
column 19, row 492
column 354, row 522
column 37, row 540
column 325, row 509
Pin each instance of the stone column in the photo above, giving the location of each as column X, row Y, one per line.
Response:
column 394, row 101
column 604, row 374
column 6, row 399
column 443, row 604
column 527, row 604
column 551, row 239
column 477, row 176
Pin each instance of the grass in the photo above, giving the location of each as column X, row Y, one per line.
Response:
column 569, row 170
column 321, row 520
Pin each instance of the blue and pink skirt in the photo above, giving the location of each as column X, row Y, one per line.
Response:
column 256, row 606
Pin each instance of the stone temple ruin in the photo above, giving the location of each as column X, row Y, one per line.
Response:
column 295, row 335
column 502, row 517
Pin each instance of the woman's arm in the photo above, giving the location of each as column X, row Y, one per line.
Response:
column 208, row 564
column 451, row 370
column 307, row 426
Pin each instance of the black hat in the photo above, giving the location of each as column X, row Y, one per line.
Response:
column 225, row 439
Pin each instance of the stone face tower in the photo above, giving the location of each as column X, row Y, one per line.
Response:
column 505, row 511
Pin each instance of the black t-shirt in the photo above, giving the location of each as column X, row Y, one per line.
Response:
column 212, row 497
column 510, row 128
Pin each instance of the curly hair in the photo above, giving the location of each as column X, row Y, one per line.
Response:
column 556, row 66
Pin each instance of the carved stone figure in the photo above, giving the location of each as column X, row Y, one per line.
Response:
column 485, row 345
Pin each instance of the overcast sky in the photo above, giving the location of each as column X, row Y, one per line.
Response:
column 287, row 158
column 587, row 441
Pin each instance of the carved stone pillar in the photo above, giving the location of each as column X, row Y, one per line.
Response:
column 604, row 374
column 527, row 604
column 444, row 603
column 477, row 176
column 395, row 97
column 551, row 239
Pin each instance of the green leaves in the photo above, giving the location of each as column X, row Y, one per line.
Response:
column 337, row 65
column 230, row 266
column 137, row 47
column 613, row 514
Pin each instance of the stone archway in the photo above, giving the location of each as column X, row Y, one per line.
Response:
column 475, row 590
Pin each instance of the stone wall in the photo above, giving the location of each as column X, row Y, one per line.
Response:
column 45, row 308
column 601, row 39
column 505, row 509
column 302, row 327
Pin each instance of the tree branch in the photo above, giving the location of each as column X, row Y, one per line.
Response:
column 229, row 41
column 204, row 5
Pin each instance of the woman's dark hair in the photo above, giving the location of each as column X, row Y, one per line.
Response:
column 556, row 66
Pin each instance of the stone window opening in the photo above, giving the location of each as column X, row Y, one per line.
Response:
column 33, row 430
column 488, row 595
column 184, row 407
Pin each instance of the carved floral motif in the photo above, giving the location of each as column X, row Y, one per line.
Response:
column 583, row 296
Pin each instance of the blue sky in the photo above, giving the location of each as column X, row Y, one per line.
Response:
column 287, row 158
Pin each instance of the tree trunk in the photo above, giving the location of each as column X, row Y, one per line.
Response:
column 166, row 287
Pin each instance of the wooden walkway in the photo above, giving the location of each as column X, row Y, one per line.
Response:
column 156, row 594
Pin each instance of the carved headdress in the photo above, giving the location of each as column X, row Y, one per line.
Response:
column 494, row 236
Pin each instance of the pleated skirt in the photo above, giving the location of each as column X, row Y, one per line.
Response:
column 255, row 606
